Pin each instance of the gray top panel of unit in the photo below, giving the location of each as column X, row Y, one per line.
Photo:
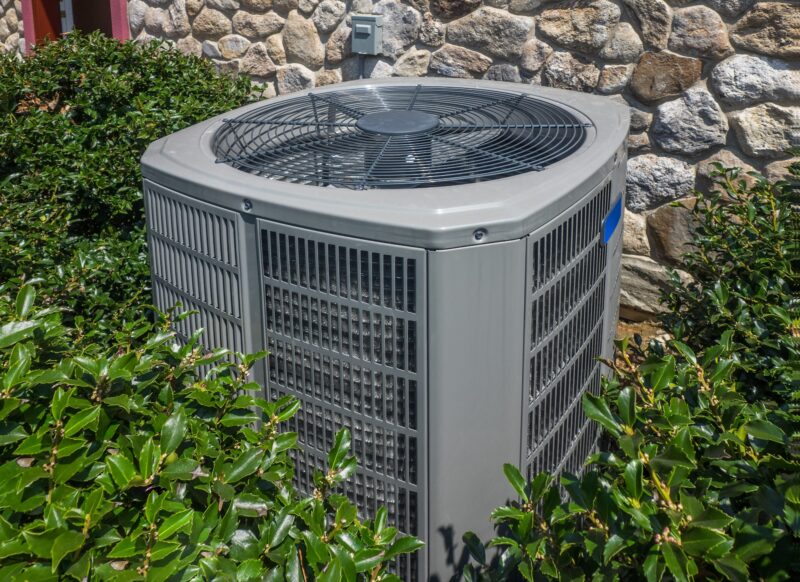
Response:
column 433, row 218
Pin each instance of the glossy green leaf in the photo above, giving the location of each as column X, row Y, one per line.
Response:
column 732, row 568
column 249, row 570
column 685, row 351
column 367, row 559
column 85, row 418
column 244, row 545
column 274, row 574
column 289, row 411
column 403, row 545
column 764, row 430
column 676, row 561
column 613, row 546
column 597, row 409
column 316, row 551
column 662, row 373
column 246, row 464
column 13, row 547
column 25, row 300
column 516, row 480
column 40, row 543
column 332, row 572
column 653, row 565
column 66, row 543
column 11, row 432
column 60, row 402
column 283, row 442
column 701, row 541
column 153, row 505
column 125, row 548
column 122, row 469
column 16, row 331
column 283, row 523
column 293, row 570
column 626, row 403
column 381, row 515
column 475, row 547
column 163, row 550
column 634, row 478
column 179, row 522
column 238, row 419
column 346, row 563
column 540, row 486
column 173, row 431
column 346, row 469
column 672, row 457
column 753, row 541
column 340, row 448
column 182, row 469
column 149, row 458
column 711, row 518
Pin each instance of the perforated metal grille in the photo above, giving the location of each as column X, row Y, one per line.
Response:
column 566, row 312
column 400, row 136
column 344, row 330
column 194, row 251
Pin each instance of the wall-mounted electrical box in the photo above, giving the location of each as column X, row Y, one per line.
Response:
column 367, row 35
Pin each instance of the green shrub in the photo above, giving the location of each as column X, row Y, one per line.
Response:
column 80, row 112
column 119, row 458
column 702, row 479
column 699, row 484
column 128, row 464
column 746, row 282
column 75, row 118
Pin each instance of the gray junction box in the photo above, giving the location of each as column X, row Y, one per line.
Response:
column 432, row 263
column 367, row 35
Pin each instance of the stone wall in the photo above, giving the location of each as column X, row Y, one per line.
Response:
column 706, row 81
column 713, row 80
column 11, row 39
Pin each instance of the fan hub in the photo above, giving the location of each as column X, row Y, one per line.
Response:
column 398, row 122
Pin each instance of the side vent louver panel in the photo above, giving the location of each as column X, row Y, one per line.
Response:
column 195, row 256
column 566, row 310
column 344, row 323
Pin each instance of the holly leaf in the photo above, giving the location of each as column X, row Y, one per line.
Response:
column 173, row 431
column 24, row 302
column 64, row 544
column 81, row 420
column 597, row 409
column 764, row 430
column 122, row 469
column 180, row 521
column 516, row 479
column 676, row 561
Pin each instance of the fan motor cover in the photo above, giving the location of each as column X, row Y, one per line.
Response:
column 433, row 263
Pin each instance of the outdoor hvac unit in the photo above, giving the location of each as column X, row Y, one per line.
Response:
column 432, row 263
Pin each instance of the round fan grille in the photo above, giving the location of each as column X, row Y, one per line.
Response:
column 399, row 136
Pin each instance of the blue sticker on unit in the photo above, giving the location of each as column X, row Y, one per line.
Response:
column 611, row 222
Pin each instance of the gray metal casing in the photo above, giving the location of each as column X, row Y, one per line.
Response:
column 336, row 282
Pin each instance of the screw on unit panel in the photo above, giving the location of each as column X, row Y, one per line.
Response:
column 247, row 205
column 479, row 234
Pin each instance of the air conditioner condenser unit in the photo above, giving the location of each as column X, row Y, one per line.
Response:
column 433, row 263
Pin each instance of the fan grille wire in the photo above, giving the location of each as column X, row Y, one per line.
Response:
column 481, row 135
